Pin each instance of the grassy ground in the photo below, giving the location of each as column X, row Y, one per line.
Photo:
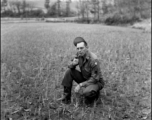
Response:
column 34, row 58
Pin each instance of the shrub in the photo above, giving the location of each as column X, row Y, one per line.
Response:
column 7, row 13
column 118, row 18
column 83, row 20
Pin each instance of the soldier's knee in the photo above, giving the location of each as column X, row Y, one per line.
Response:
column 68, row 71
column 91, row 90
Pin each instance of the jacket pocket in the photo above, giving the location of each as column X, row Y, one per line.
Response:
column 87, row 69
column 86, row 73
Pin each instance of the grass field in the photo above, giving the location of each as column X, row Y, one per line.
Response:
column 34, row 58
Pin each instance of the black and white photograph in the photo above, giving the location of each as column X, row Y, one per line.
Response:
column 75, row 59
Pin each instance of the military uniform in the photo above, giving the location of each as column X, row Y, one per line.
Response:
column 87, row 71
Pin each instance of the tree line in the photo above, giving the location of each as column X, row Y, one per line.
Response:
column 114, row 11
column 89, row 11
column 23, row 8
column 18, row 8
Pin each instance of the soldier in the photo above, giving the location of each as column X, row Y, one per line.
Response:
column 88, row 76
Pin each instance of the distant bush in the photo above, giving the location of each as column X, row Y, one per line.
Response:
column 119, row 18
column 7, row 13
column 83, row 20
column 36, row 13
column 32, row 13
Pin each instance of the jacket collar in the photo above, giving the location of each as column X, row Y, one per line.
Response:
column 87, row 56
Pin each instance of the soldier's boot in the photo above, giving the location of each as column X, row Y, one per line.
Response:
column 79, row 99
column 66, row 99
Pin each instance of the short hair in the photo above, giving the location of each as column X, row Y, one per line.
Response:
column 78, row 40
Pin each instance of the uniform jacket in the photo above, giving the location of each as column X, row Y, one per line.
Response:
column 90, row 69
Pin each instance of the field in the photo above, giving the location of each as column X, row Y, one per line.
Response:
column 34, row 58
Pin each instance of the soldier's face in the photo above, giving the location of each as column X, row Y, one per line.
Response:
column 81, row 49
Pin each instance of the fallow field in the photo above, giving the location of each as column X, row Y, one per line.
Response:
column 34, row 58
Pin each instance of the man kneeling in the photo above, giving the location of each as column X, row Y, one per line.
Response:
column 88, row 76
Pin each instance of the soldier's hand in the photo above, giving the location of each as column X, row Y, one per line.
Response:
column 77, row 88
column 75, row 61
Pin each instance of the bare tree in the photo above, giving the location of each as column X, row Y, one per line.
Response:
column 135, row 9
column 78, row 8
column 59, row 7
column 68, row 7
column 98, row 10
column 24, row 6
column 21, row 7
column 82, row 8
column 87, row 9
column 94, row 9
column 47, row 5
column 17, row 4
column 3, row 4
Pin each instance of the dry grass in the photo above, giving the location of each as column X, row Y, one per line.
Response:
column 34, row 58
